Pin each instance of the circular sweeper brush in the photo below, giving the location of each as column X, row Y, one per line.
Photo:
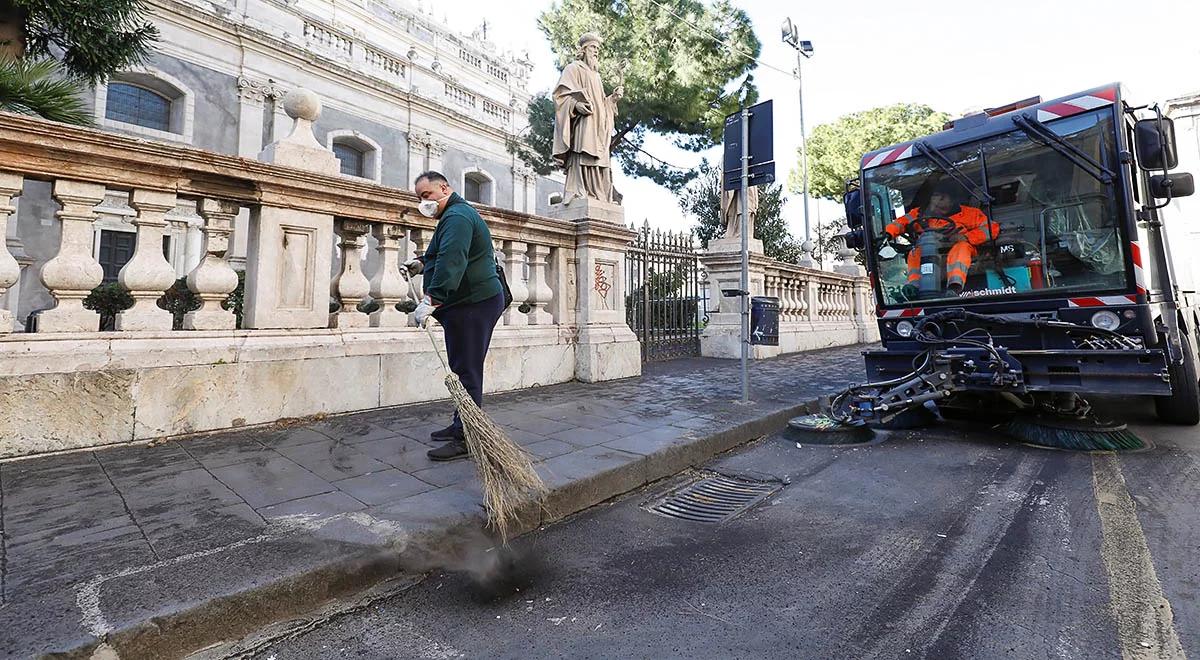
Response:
column 821, row 429
column 1083, row 433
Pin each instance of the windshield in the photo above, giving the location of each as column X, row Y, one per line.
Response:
column 1050, row 224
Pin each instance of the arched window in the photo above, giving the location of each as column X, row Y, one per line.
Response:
column 478, row 186
column 350, row 158
column 358, row 154
column 139, row 106
column 146, row 102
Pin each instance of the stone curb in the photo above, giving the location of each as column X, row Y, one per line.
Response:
column 192, row 627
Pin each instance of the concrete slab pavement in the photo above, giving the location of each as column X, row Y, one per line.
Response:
column 161, row 550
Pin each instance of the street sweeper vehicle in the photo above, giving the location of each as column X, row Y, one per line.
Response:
column 1020, row 264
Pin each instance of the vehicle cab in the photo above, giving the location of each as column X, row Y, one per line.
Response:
column 1038, row 210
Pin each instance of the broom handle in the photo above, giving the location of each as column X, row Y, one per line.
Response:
column 412, row 289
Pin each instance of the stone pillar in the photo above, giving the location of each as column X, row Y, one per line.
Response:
column 437, row 155
column 722, row 336
column 416, row 243
column 213, row 279
column 531, row 193
column 147, row 274
column 351, row 286
column 418, row 152
column 10, row 271
column 514, row 270
column 523, row 195
column 288, row 252
column 251, row 95
column 540, row 292
column 388, row 287
column 73, row 272
column 606, row 348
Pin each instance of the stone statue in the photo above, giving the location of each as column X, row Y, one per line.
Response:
column 731, row 219
column 583, row 126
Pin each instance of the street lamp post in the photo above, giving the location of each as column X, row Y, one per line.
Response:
column 804, row 50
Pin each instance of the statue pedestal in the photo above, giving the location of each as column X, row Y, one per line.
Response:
column 723, row 245
column 722, row 336
column 586, row 208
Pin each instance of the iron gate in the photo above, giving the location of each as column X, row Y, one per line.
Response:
column 664, row 306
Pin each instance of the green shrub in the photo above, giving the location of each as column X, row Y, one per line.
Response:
column 179, row 300
column 109, row 299
column 234, row 301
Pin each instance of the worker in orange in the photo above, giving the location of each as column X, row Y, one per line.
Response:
column 965, row 227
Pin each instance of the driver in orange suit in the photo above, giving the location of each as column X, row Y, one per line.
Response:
column 966, row 226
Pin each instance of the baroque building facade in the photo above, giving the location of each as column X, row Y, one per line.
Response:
column 402, row 93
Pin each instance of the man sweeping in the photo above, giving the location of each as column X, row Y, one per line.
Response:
column 462, row 291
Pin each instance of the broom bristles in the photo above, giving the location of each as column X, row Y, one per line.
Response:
column 505, row 469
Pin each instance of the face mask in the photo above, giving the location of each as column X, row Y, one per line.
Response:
column 429, row 207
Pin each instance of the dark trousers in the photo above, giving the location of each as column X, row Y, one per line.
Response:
column 468, row 330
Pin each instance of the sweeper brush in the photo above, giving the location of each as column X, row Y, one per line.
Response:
column 966, row 365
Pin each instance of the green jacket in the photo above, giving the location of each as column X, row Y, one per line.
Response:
column 459, row 265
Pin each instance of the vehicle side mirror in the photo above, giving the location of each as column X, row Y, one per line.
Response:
column 855, row 240
column 1170, row 186
column 854, row 209
column 1155, row 150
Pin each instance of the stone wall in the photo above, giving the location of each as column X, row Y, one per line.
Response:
column 68, row 385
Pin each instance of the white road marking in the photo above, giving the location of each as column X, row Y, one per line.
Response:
column 1145, row 625
column 87, row 595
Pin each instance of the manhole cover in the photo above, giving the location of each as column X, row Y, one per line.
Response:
column 714, row 499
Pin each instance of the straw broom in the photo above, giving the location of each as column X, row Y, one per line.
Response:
column 505, row 470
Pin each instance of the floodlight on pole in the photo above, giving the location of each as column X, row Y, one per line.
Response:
column 804, row 50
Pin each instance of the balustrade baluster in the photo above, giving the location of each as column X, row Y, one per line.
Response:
column 350, row 286
column 147, row 274
column 213, row 279
column 388, row 287
column 73, row 272
column 10, row 271
column 514, row 269
column 499, row 255
column 416, row 246
column 540, row 292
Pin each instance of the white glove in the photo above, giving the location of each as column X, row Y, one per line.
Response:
column 424, row 311
column 414, row 266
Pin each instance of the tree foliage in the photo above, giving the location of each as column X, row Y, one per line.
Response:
column 835, row 150
column 535, row 145
column 679, row 81
column 701, row 199
column 37, row 88
column 92, row 38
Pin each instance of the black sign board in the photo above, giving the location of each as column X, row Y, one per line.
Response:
column 762, row 147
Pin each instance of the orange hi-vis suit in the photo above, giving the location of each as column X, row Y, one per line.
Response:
column 973, row 229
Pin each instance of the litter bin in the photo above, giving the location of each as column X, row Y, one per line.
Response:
column 764, row 321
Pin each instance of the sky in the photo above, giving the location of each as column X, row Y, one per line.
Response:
column 953, row 56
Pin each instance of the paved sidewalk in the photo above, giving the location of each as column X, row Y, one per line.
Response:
column 168, row 548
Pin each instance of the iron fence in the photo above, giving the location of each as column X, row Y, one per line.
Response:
column 664, row 306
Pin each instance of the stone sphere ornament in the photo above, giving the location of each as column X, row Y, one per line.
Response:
column 302, row 104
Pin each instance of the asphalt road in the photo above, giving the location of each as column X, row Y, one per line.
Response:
column 945, row 543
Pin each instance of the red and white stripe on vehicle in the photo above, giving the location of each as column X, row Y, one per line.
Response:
column 1102, row 301
column 901, row 313
column 1139, row 275
column 1078, row 104
column 888, row 156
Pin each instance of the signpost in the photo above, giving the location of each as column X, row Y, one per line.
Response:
column 749, row 161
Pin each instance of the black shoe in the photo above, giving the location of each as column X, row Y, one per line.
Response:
column 451, row 451
column 451, row 432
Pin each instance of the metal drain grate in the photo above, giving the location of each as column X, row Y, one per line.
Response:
column 714, row 499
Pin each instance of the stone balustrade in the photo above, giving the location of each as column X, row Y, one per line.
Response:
column 817, row 309
column 320, row 330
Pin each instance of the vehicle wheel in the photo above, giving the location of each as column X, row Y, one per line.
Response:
column 914, row 418
column 1183, row 404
